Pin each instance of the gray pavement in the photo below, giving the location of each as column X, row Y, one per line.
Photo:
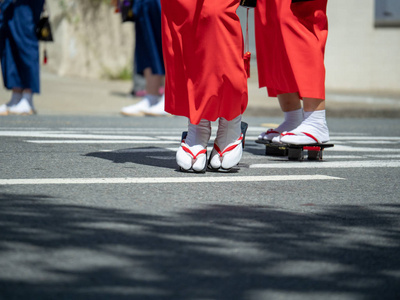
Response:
column 78, row 96
column 92, row 205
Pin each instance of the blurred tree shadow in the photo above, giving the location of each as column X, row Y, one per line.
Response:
column 55, row 251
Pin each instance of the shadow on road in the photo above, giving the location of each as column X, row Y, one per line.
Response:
column 153, row 156
column 54, row 251
column 159, row 157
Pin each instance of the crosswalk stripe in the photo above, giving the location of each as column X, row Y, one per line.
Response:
column 61, row 135
column 160, row 180
column 330, row 164
column 98, row 142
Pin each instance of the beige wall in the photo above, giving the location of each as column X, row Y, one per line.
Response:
column 90, row 40
column 360, row 57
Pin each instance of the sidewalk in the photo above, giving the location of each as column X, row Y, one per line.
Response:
column 78, row 96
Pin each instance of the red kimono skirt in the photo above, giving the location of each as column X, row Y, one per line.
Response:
column 290, row 43
column 203, row 56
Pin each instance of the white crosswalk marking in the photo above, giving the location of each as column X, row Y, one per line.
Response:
column 97, row 142
column 160, row 180
column 330, row 164
column 350, row 151
column 64, row 135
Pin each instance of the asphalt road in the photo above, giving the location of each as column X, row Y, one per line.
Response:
column 95, row 208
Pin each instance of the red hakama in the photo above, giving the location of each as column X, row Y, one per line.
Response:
column 203, row 56
column 290, row 43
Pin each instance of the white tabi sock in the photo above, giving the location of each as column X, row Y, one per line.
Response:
column 198, row 135
column 292, row 120
column 228, row 131
column 314, row 124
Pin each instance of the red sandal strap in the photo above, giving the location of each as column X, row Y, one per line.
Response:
column 187, row 150
column 311, row 136
column 271, row 131
column 230, row 148
column 287, row 133
column 305, row 133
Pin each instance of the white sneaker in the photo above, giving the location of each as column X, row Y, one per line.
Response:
column 139, row 109
column 4, row 110
column 158, row 109
column 22, row 108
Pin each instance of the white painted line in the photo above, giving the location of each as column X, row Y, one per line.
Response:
column 61, row 134
column 334, row 134
column 365, row 138
column 329, row 164
column 342, row 148
column 141, row 150
column 157, row 180
column 327, row 155
column 95, row 142
column 383, row 156
column 163, row 157
column 376, row 142
column 131, row 129
column 175, row 138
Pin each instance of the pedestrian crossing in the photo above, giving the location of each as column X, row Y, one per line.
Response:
column 352, row 150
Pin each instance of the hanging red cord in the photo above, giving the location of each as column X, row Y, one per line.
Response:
column 44, row 56
column 247, row 53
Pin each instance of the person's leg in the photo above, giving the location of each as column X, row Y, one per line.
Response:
column 153, row 82
column 153, row 85
column 148, row 54
column 312, row 104
column 16, row 96
column 152, row 97
column 290, row 104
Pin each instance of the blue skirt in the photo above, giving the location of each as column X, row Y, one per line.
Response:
column 148, row 51
column 19, row 47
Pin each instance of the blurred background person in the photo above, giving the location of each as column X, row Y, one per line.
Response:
column 148, row 58
column 19, row 52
